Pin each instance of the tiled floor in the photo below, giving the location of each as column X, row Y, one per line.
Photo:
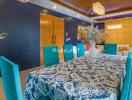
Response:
column 23, row 75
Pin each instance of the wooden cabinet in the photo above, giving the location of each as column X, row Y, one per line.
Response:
column 51, row 33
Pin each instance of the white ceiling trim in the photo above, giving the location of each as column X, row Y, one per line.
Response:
column 112, row 15
column 61, row 9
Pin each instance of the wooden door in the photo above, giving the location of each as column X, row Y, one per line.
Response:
column 51, row 33
column 46, row 32
column 59, row 35
column 59, row 31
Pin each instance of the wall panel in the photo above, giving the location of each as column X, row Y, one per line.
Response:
column 119, row 36
column 21, row 22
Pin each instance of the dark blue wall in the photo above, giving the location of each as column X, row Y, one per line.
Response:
column 22, row 23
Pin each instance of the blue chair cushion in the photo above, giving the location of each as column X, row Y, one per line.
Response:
column 110, row 49
column 80, row 49
column 10, row 79
column 51, row 55
column 68, row 52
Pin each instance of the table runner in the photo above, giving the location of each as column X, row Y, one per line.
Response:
column 78, row 79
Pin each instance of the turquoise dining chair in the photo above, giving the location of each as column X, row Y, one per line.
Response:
column 130, row 88
column 80, row 50
column 125, row 93
column 51, row 55
column 10, row 79
column 68, row 52
column 110, row 49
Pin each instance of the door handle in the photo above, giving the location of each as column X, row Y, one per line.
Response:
column 52, row 39
column 55, row 38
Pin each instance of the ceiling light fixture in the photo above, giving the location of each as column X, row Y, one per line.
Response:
column 54, row 6
column 44, row 12
column 78, row 15
column 98, row 8
column 114, row 26
column 24, row 1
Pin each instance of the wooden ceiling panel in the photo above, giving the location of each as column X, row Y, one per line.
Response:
column 85, row 6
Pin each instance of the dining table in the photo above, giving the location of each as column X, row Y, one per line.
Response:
column 78, row 79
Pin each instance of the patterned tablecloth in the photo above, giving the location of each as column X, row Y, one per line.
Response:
column 78, row 80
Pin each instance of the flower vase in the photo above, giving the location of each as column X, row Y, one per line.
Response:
column 92, row 51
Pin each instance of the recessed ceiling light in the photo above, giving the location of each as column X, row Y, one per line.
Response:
column 78, row 15
column 44, row 12
column 54, row 6
column 115, row 26
column 24, row 1
column 68, row 18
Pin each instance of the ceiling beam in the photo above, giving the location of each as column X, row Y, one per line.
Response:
column 61, row 9
column 114, row 11
column 69, row 7
column 112, row 15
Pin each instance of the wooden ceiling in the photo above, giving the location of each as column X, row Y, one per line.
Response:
column 85, row 6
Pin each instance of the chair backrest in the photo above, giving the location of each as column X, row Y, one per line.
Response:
column 80, row 49
column 130, row 88
column 110, row 49
column 51, row 55
column 68, row 52
column 127, row 80
column 10, row 79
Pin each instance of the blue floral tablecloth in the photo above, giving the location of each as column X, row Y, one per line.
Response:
column 78, row 79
